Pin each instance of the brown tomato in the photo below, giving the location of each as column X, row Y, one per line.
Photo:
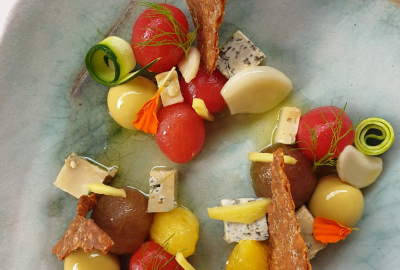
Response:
column 125, row 220
column 301, row 177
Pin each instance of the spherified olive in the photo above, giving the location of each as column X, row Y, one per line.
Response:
column 301, row 177
column 125, row 220
column 125, row 100
column 336, row 200
column 95, row 260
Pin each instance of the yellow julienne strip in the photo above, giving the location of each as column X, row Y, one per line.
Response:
column 267, row 157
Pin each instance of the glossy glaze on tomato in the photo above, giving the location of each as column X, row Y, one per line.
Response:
column 323, row 131
column 170, row 54
column 301, row 177
column 206, row 87
column 181, row 132
column 125, row 220
column 152, row 256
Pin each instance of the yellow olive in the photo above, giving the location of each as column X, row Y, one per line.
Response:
column 80, row 260
column 125, row 100
column 336, row 200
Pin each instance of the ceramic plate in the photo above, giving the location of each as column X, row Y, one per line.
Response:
column 333, row 51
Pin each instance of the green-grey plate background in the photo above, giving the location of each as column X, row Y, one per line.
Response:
column 333, row 51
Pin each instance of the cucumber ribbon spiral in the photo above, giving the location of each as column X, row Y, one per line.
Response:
column 111, row 61
column 385, row 139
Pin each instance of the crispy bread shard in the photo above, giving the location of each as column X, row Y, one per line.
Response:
column 287, row 247
column 83, row 233
column 209, row 14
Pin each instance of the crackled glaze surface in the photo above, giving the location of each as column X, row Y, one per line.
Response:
column 333, row 51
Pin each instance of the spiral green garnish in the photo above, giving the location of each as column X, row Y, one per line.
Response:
column 111, row 61
column 368, row 141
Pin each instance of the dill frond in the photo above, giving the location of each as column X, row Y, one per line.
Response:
column 159, row 184
column 329, row 159
column 177, row 37
column 100, row 34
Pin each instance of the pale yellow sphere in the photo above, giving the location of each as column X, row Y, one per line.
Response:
column 80, row 260
column 125, row 100
column 333, row 199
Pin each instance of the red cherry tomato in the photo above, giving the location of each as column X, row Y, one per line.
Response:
column 323, row 131
column 180, row 133
column 143, row 30
column 152, row 256
column 206, row 87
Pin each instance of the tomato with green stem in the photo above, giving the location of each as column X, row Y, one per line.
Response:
column 152, row 256
column 323, row 134
column 160, row 31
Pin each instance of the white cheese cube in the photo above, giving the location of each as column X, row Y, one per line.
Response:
column 163, row 191
column 237, row 54
column 306, row 223
column 78, row 172
column 288, row 125
column 171, row 93
column 234, row 232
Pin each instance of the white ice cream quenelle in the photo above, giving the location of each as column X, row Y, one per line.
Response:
column 256, row 90
column 358, row 169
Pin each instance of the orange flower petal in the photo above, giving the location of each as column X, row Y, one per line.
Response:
column 329, row 231
column 147, row 116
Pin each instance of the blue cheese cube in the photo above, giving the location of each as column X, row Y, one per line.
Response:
column 234, row 232
column 237, row 54
column 171, row 92
column 306, row 224
column 163, row 191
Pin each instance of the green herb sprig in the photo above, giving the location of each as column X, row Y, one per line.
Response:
column 177, row 37
column 154, row 263
column 329, row 159
column 159, row 184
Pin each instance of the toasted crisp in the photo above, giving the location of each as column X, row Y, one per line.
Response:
column 209, row 14
column 287, row 247
column 83, row 233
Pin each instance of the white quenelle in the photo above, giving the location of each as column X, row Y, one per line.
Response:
column 256, row 90
column 189, row 66
column 358, row 169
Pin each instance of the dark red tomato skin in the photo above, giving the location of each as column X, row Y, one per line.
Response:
column 206, row 87
column 170, row 54
column 181, row 133
column 323, row 131
column 153, row 256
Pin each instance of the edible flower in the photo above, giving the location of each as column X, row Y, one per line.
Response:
column 147, row 115
column 329, row 231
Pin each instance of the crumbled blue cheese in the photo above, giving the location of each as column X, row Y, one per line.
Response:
column 163, row 191
column 237, row 54
column 306, row 223
column 234, row 232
